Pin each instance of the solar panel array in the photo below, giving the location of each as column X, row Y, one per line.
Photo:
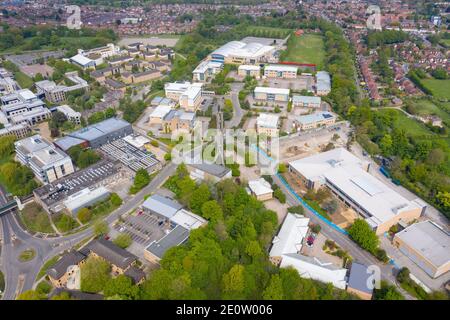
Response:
column 132, row 157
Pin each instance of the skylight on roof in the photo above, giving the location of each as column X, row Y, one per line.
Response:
column 366, row 185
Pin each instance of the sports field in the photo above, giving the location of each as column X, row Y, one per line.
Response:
column 308, row 48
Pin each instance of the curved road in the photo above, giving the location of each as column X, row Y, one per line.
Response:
column 20, row 276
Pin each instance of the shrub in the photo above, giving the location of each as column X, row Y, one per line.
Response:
column 381, row 255
column 115, row 199
column 296, row 209
column 123, row 240
column 280, row 195
column 84, row 215
column 316, row 228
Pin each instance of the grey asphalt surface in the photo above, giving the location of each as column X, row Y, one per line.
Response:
column 238, row 112
column 14, row 270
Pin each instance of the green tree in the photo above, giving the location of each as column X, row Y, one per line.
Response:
column 233, row 282
column 100, row 228
column 280, row 195
column 121, row 286
column 115, row 199
column 274, row 291
column 212, row 211
column 363, row 235
column 95, row 274
column 123, row 240
column 30, row 295
column 141, row 179
column 199, row 197
column 84, row 215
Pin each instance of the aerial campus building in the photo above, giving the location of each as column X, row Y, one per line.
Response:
column 323, row 83
column 267, row 123
column 315, row 120
column 348, row 178
column 188, row 95
column 238, row 52
column 47, row 162
column 96, row 134
column 245, row 70
column 180, row 220
column 271, row 94
column 206, row 69
column 306, row 101
column 280, row 71
column 427, row 245
column 57, row 93
column 286, row 252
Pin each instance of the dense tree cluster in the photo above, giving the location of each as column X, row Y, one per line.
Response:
column 227, row 259
column 83, row 158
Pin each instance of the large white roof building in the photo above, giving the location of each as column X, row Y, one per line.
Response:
column 347, row 176
column 241, row 52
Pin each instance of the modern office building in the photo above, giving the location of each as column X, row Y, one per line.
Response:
column 180, row 220
column 323, row 83
column 20, row 130
column 208, row 172
column 267, row 123
column 238, row 52
column 261, row 189
column 286, row 252
column 96, row 134
column 347, row 177
column 188, row 95
column 427, row 245
column 57, row 93
column 271, row 94
column 306, row 101
column 178, row 120
column 205, row 70
column 32, row 116
column 47, row 162
column 315, row 120
column 245, row 70
column 71, row 115
column 280, row 71
column 85, row 198
column 20, row 102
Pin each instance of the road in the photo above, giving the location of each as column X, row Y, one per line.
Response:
column 358, row 255
column 238, row 113
column 45, row 249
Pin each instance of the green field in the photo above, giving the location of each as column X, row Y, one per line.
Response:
column 445, row 43
column 439, row 88
column 412, row 127
column 308, row 48
column 268, row 32
column 35, row 219
column 425, row 107
column 24, row 81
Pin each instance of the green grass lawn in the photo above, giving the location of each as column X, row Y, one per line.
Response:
column 23, row 80
column 65, row 223
column 426, row 107
column 260, row 31
column 412, row 127
column 36, row 219
column 27, row 255
column 445, row 43
column 308, row 48
column 439, row 88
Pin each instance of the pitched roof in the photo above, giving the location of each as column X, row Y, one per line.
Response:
column 112, row 253
column 60, row 267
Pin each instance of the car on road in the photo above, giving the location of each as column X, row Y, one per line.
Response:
column 310, row 240
column 107, row 237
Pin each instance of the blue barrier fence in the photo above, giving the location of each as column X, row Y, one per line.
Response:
column 303, row 202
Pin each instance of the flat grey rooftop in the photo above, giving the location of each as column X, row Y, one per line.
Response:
column 429, row 239
column 175, row 237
